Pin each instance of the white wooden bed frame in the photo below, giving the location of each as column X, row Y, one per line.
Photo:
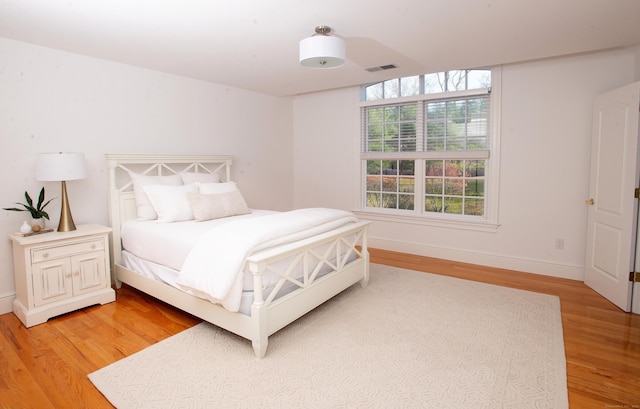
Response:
column 267, row 315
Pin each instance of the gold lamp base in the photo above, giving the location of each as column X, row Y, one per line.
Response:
column 66, row 220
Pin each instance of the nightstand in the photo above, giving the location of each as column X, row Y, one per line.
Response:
column 59, row 272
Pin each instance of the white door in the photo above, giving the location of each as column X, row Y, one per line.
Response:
column 615, row 173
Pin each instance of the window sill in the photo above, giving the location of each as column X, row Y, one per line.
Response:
column 482, row 226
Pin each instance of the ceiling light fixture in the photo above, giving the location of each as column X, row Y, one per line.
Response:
column 321, row 50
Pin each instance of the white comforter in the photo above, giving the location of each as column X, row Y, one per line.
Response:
column 213, row 269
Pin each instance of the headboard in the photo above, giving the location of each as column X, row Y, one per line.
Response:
column 122, row 203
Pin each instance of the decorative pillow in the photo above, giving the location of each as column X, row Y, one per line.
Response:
column 217, row 205
column 145, row 209
column 210, row 188
column 170, row 202
column 192, row 177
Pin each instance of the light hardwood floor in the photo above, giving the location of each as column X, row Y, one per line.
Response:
column 46, row 366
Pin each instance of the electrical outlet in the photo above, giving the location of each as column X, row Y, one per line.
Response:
column 560, row 244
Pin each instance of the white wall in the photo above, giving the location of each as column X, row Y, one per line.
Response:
column 545, row 155
column 326, row 149
column 56, row 101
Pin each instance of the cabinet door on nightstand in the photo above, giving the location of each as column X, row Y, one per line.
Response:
column 52, row 281
column 88, row 272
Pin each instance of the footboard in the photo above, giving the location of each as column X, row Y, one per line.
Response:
column 342, row 261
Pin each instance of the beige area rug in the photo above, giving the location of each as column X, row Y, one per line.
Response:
column 410, row 340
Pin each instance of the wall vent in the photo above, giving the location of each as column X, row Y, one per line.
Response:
column 381, row 68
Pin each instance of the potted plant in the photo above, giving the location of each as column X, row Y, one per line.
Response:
column 37, row 213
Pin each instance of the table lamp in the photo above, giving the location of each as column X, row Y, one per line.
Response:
column 61, row 166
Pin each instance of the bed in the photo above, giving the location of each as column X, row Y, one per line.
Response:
column 294, row 265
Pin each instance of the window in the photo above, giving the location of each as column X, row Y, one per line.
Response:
column 426, row 144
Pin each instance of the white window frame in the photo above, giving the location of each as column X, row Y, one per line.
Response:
column 488, row 222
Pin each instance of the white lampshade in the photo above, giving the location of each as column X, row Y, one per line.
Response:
column 322, row 51
column 60, row 166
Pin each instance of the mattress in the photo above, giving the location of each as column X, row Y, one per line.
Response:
column 169, row 244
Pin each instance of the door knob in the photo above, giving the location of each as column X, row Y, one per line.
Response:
column 590, row 202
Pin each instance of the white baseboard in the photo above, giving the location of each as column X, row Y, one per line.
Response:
column 492, row 260
column 6, row 302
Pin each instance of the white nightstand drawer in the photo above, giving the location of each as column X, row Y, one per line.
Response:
column 50, row 253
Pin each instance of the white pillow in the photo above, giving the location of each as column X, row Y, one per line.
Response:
column 145, row 209
column 170, row 202
column 217, row 205
column 193, row 177
column 210, row 188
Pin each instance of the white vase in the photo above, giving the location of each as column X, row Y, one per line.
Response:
column 25, row 228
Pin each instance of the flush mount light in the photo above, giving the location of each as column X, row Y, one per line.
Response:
column 322, row 50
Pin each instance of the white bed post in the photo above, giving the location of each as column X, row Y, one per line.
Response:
column 259, row 313
column 114, row 220
column 365, row 254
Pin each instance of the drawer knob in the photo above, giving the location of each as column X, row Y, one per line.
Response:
column 45, row 255
column 67, row 275
column 76, row 273
column 93, row 247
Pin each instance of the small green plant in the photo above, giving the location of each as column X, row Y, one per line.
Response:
column 38, row 211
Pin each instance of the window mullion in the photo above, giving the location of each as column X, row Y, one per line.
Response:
column 419, row 187
column 427, row 155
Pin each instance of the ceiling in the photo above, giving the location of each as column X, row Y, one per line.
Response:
column 253, row 44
